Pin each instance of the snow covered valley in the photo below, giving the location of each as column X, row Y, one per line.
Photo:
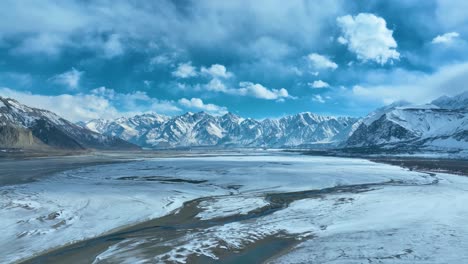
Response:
column 237, row 208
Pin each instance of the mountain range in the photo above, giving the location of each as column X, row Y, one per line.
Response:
column 229, row 130
column 439, row 125
column 26, row 127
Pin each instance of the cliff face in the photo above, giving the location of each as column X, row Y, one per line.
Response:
column 16, row 137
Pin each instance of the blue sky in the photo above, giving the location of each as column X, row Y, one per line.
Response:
column 105, row 59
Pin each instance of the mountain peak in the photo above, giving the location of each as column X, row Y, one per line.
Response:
column 459, row 101
column 230, row 115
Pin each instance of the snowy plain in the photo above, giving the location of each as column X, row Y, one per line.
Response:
column 396, row 221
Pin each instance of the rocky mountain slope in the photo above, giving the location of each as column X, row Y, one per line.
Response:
column 25, row 127
column 442, row 124
column 203, row 129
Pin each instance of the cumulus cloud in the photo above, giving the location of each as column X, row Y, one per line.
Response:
column 98, row 103
column 216, row 71
column 260, row 91
column 217, row 86
column 446, row 38
column 248, row 89
column 368, row 37
column 185, row 70
column 197, row 103
column 319, row 84
column 321, row 62
column 71, row 78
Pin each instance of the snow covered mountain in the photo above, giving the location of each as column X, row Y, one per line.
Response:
column 25, row 127
column 442, row 124
column 457, row 102
column 203, row 129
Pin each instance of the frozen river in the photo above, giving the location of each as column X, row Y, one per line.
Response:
column 268, row 206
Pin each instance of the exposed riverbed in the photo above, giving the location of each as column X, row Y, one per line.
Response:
column 260, row 207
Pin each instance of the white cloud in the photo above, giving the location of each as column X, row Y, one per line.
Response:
column 260, row 91
column 185, row 70
column 248, row 89
column 99, row 103
column 147, row 83
column 72, row 107
column 164, row 106
column 446, row 38
column 71, row 78
column 368, row 37
column 342, row 40
column 415, row 87
column 216, row 71
column 136, row 101
column 197, row 103
column 319, row 84
column 113, row 46
column 45, row 43
column 296, row 71
column 318, row 98
column 216, row 85
column 321, row 62
column 160, row 60
column 163, row 59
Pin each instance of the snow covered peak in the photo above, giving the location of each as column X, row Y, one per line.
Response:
column 231, row 118
column 443, row 123
column 18, row 114
column 456, row 102
column 203, row 129
column 378, row 113
column 2, row 104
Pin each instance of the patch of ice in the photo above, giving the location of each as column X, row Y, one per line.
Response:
column 228, row 206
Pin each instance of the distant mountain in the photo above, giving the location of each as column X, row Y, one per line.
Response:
column 25, row 127
column 457, row 102
column 442, row 124
column 203, row 129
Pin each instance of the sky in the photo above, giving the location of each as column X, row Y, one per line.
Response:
column 267, row 58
